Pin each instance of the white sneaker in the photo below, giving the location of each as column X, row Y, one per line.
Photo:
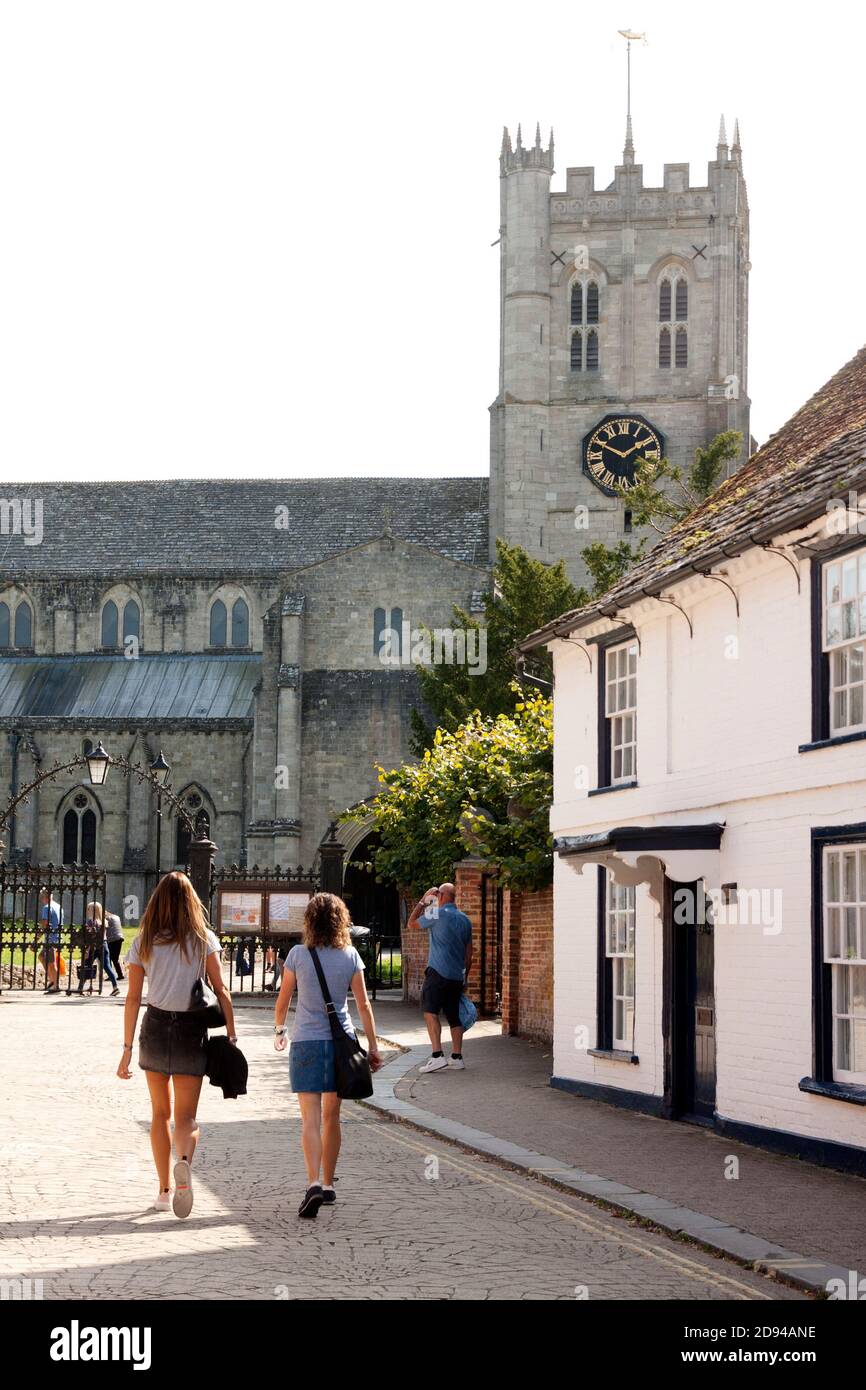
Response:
column 163, row 1202
column 456, row 1064
column 182, row 1200
column 435, row 1064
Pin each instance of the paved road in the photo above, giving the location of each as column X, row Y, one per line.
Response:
column 416, row 1219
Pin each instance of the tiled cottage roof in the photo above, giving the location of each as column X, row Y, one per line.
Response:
column 215, row 526
column 818, row 455
column 103, row 690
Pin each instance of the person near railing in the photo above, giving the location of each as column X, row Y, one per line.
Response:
column 114, row 939
column 174, row 949
column 51, row 913
column 95, row 943
column 311, row 1058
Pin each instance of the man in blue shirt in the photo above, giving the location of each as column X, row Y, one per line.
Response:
column 449, row 959
column 51, row 914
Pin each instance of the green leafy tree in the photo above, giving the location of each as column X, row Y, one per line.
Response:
column 485, row 786
column 526, row 594
column 661, row 496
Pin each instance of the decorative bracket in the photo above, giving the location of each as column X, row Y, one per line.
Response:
column 776, row 550
column 720, row 579
column 659, row 599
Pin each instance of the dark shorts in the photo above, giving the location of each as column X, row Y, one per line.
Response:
column 311, row 1065
column 172, row 1043
column 439, row 995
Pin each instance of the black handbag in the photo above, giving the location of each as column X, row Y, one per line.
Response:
column 352, row 1076
column 204, row 1006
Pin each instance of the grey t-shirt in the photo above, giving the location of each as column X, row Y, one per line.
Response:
column 170, row 976
column 311, row 1017
column 113, row 927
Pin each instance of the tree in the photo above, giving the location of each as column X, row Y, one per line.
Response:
column 661, row 496
column 487, row 784
column 525, row 594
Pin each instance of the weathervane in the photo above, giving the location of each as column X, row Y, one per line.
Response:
column 630, row 37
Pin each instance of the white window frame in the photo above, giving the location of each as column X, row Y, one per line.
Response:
column 620, row 708
column 619, row 927
column 844, row 924
column 843, row 638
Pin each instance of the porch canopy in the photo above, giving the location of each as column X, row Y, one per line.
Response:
column 646, row 853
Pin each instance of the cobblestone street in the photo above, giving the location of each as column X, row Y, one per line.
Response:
column 415, row 1218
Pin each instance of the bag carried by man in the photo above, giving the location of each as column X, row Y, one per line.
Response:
column 352, row 1076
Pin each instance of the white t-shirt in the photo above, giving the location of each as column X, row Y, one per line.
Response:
column 170, row 976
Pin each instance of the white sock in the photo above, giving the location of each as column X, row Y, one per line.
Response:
column 327, row 1187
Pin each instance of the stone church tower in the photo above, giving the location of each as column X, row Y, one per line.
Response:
column 620, row 304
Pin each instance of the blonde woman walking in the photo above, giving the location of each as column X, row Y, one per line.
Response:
column 173, row 949
column 311, row 1058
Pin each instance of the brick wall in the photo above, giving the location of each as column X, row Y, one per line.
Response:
column 530, row 937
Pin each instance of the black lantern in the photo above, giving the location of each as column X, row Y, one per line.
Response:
column 160, row 769
column 97, row 764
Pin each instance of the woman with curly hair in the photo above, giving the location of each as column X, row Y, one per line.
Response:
column 311, row 1058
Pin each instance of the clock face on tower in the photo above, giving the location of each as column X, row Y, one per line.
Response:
column 612, row 451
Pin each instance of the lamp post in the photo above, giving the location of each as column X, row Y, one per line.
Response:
column 160, row 770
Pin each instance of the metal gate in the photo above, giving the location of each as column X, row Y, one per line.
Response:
column 49, row 932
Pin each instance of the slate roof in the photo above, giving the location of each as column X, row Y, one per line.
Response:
column 106, row 689
column 217, row 526
column 818, row 455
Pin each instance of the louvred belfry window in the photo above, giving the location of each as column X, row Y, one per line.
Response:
column 577, row 303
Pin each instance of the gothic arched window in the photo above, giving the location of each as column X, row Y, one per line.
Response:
column 24, row 625
column 577, row 303
column 79, row 831
column 198, row 814
column 240, row 623
column 380, row 622
column 673, row 310
column 576, row 352
column 592, row 302
column 4, row 625
column 592, row 351
column 131, row 619
column 108, row 636
column 218, row 624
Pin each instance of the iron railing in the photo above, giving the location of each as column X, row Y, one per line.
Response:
column 34, row 949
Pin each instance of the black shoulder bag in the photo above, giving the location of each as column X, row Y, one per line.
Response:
column 352, row 1076
column 204, row 1006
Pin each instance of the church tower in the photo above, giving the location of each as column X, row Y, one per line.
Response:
column 624, row 324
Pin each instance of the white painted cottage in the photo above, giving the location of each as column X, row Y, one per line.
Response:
column 709, row 813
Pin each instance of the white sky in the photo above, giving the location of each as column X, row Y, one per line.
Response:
column 254, row 238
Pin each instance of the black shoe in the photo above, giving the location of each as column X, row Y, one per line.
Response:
column 328, row 1197
column 313, row 1199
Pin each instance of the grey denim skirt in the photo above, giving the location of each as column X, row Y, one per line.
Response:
column 172, row 1043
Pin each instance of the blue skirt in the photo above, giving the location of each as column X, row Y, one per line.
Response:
column 311, row 1065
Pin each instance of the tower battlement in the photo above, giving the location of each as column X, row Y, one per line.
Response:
column 525, row 157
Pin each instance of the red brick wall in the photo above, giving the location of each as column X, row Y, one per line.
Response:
column 535, row 992
column 414, row 948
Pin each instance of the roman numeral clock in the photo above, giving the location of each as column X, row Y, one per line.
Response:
column 612, row 451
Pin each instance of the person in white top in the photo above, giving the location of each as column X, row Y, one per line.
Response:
column 174, row 948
